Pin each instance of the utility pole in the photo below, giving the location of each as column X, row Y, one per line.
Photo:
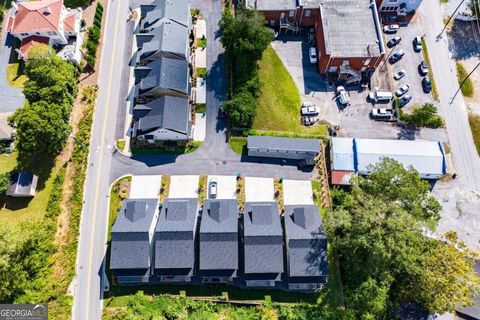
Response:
column 461, row 84
column 448, row 21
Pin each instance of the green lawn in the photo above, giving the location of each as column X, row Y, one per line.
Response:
column 238, row 144
column 21, row 209
column 475, row 127
column 467, row 88
column 279, row 101
column 15, row 75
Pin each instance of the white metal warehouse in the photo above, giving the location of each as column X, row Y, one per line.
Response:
column 352, row 155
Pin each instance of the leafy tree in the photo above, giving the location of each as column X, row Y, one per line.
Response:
column 447, row 277
column 423, row 116
column 384, row 255
column 50, row 78
column 245, row 38
column 393, row 183
column 41, row 128
column 241, row 109
column 4, row 184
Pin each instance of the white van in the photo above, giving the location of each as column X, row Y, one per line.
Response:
column 384, row 96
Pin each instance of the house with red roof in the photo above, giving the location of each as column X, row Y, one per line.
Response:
column 46, row 22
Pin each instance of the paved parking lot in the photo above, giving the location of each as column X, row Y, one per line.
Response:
column 259, row 189
column 183, row 187
column 409, row 63
column 353, row 120
column 297, row 192
column 226, row 186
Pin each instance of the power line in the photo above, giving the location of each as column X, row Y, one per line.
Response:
column 460, row 87
column 450, row 18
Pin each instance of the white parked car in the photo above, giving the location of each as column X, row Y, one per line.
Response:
column 342, row 95
column 313, row 55
column 310, row 110
column 400, row 74
column 391, row 28
column 402, row 90
column 213, row 188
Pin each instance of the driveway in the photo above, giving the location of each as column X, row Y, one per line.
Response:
column 183, row 187
column 354, row 120
column 145, row 187
column 297, row 192
column 10, row 98
column 259, row 189
column 226, row 186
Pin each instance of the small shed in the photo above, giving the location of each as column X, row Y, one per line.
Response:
column 22, row 184
column 285, row 148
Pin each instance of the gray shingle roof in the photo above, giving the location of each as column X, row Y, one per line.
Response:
column 165, row 73
column 130, row 239
column 169, row 37
column 176, row 10
column 279, row 5
column 306, row 241
column 219, row 235
column 22, row 183
column 175, row 233
column 278, row 143
column 167, row 112
column 263, row 238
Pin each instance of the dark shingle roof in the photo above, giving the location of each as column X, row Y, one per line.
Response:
column 169, row 37
column 277, row 143
column 22, row 183
column 174, row 234
column 165, row 73
column 167, row 112
column 306, row 241
column 130, row 234
column 219, row 235
column 263, row 238
column 177, row 10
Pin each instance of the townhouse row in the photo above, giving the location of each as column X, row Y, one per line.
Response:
column 179, row 242
column 162, row 66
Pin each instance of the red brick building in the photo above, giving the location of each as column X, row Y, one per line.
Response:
column 348, row 32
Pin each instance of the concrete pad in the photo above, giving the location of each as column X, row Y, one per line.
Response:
column 145, row 187
column 201, row 57
column 226, row 187
column 259, row 189
column 200, row 128
column 201, row 29
column 297, row 192
column 201, row 90
column 183, row 187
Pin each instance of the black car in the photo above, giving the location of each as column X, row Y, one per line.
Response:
column 393, row 42
column 427, row 85
column 396, row 56
column 423, row 68
column 404, row 100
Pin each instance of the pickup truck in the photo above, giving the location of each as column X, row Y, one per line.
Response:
column 382, row 114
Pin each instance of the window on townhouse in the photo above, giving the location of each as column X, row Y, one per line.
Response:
column 291, row 13
column 308, row 13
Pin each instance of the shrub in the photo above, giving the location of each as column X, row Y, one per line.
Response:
column 83, row 23
column 90, row 60
column 467, row 87
column 99, row 6
column 98, row 15
column 91, row 47
column 94, row 34
column 99, row 10
column 97, row 22
column 422, row 116
column 4, row 183
column 241, row 109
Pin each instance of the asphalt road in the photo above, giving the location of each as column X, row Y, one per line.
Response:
column 465, row 156
column 88, row 290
